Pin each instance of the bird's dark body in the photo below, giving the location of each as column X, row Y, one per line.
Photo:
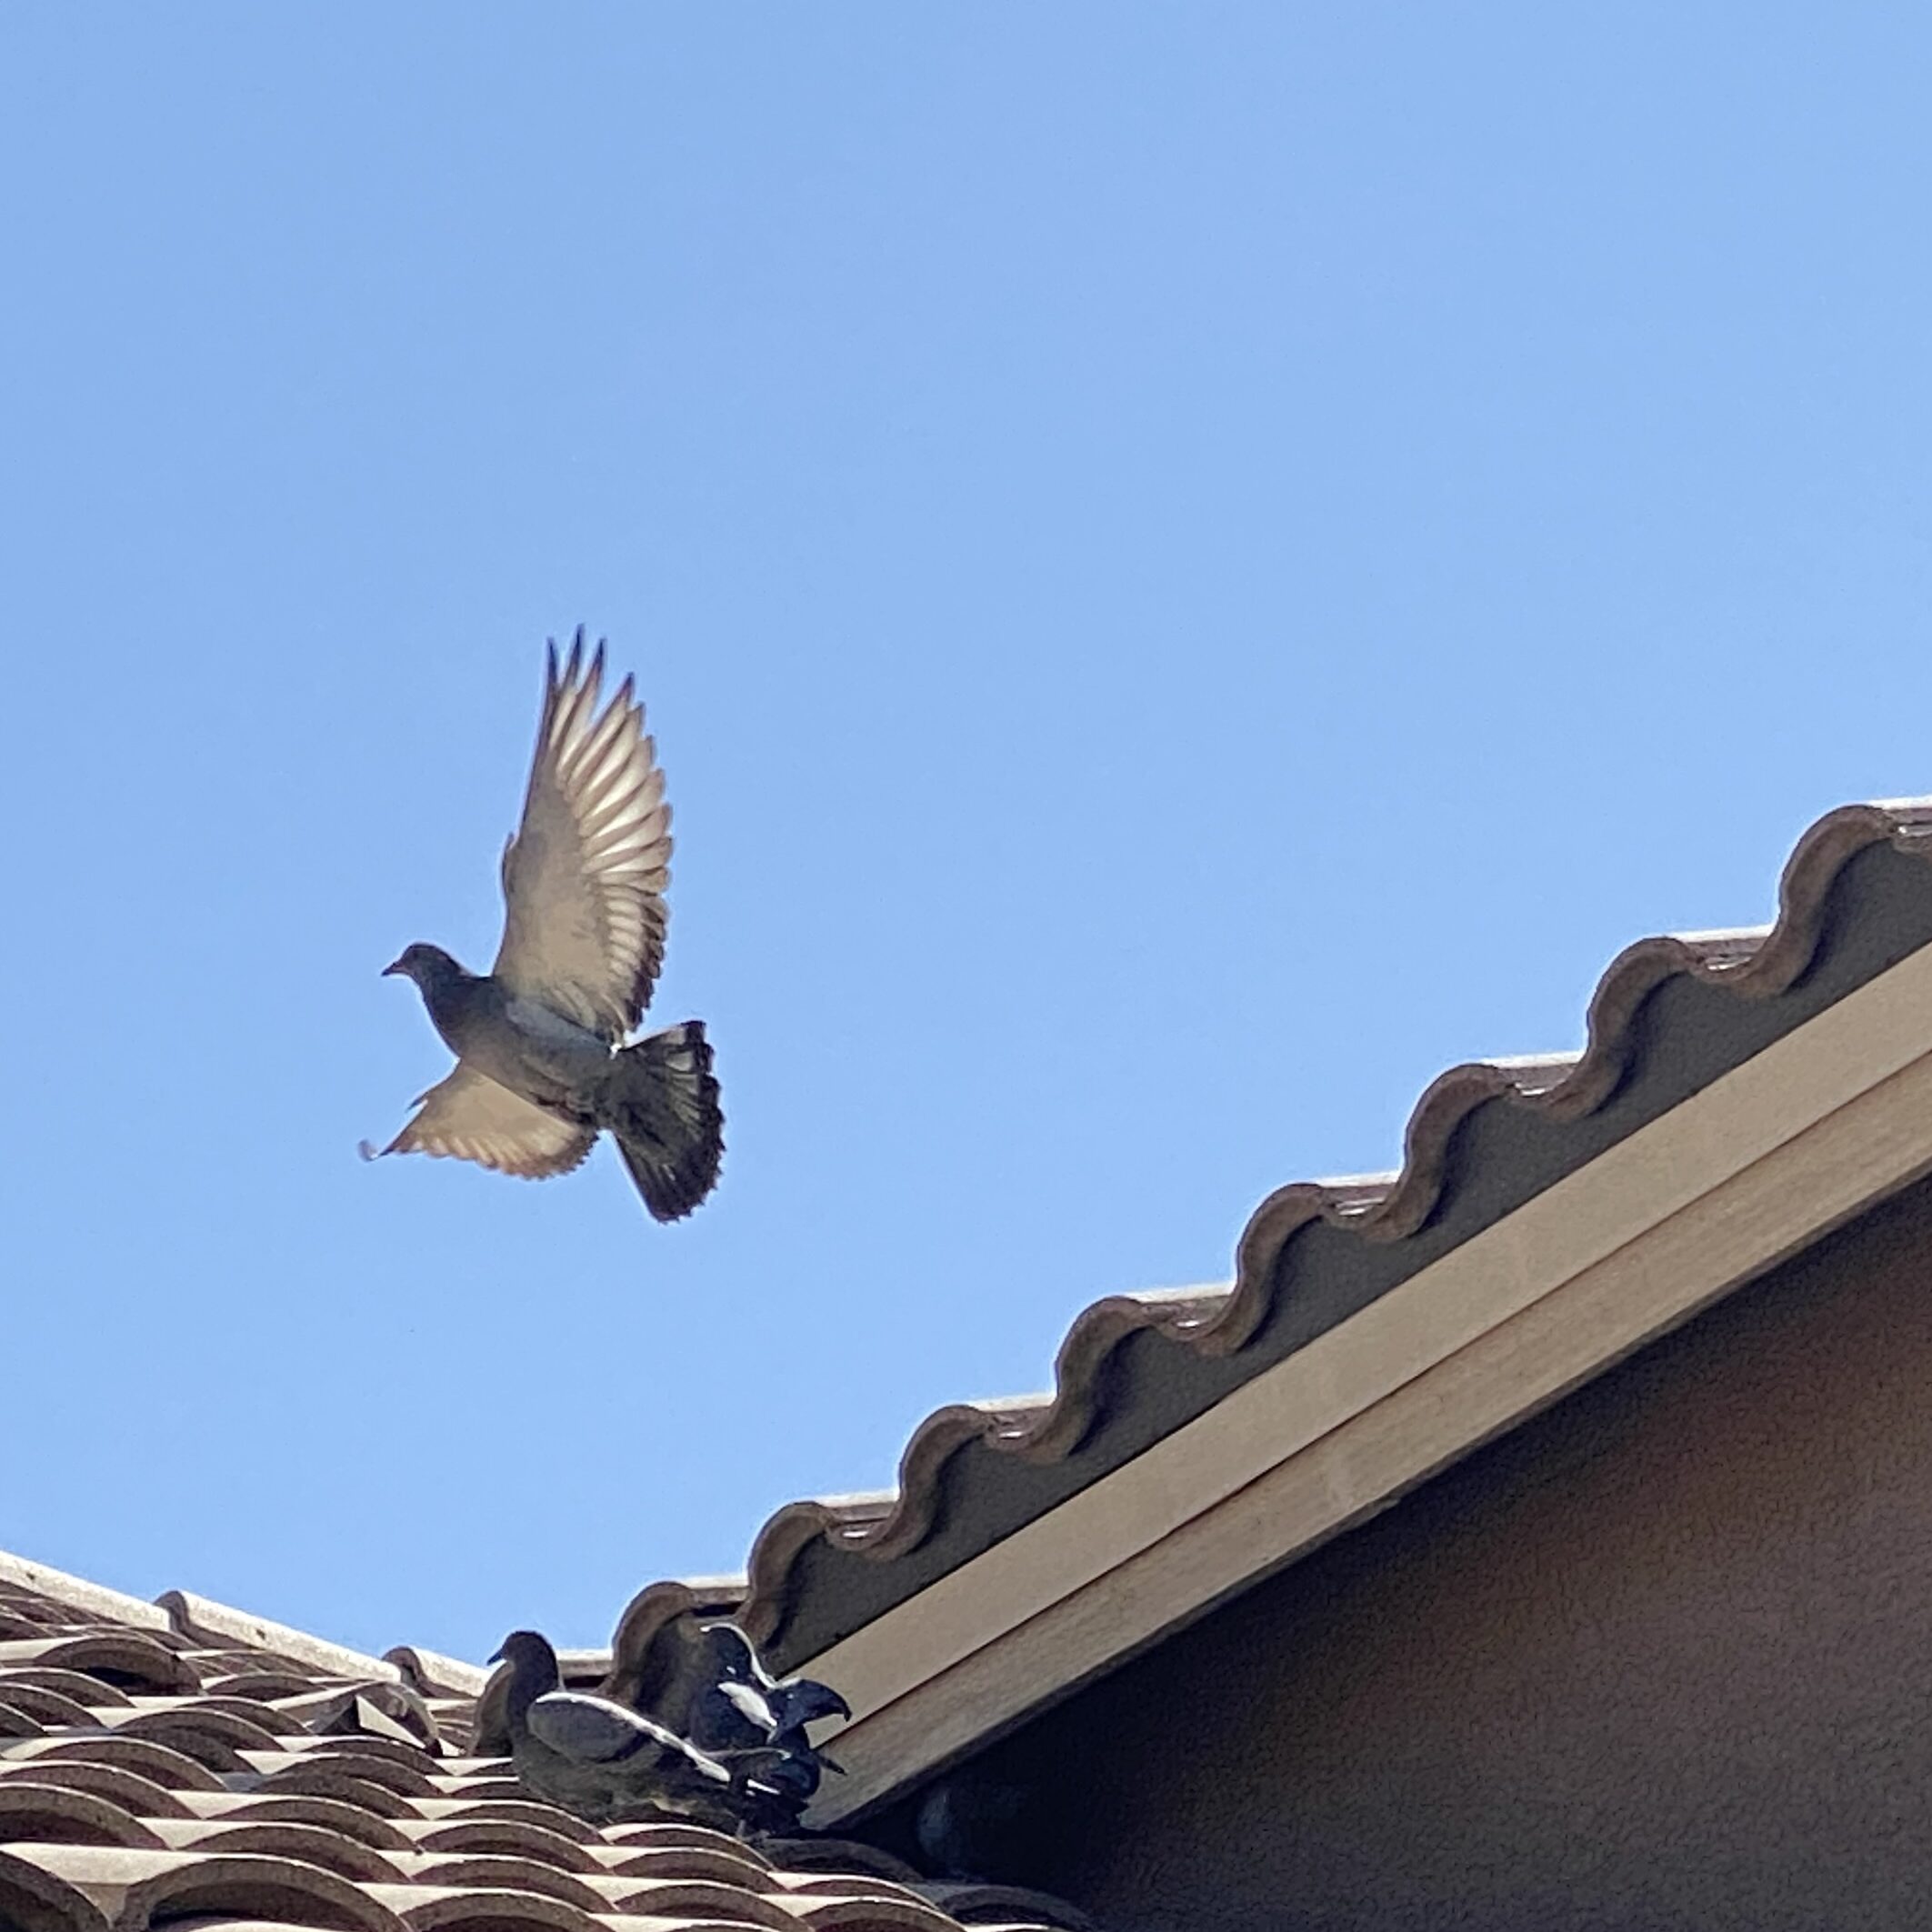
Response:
column 546, row 1058
column 739, row 1707
column 657, row 1098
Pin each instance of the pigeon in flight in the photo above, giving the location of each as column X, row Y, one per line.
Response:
column 541, row 1067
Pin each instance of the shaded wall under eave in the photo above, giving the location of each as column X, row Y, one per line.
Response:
column 1662, row 1657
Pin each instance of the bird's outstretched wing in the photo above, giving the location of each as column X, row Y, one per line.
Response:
column 583, row 879
column 470, row 1117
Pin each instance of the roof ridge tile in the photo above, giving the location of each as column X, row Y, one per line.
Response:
column 220, row 1625
column 94, row 1599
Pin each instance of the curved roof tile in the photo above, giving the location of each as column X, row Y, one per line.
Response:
column 41, row 1901
column 160, row 1763
column 30, row 1809
column 131, row 1884
column 333, row 1851
column 126, row 1658
column 501, row 1837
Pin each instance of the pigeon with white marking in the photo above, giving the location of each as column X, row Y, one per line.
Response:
column 604, row 1762
column 541, row 1066
column 743, row 1715
column 744, row 1705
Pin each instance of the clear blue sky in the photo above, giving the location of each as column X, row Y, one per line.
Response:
column 1191, row 566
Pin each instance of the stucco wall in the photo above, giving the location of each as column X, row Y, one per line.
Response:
column 1661, row 1658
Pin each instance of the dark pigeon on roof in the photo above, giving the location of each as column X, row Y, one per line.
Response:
column 744, row 1706
column 599, row 1760
column 757, row 1724
column 541, row 1067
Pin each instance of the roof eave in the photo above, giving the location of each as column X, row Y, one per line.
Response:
column 1822, row 1123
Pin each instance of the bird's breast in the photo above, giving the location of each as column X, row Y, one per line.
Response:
column 538, row 1054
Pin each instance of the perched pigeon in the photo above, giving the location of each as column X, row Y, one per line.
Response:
column 541, row 1065
column 744, row 1705
column 773, row 1800
column 595, row 1759
column 604, row 1762
column 756, row 1724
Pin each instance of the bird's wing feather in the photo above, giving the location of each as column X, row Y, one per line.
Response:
column 595, row 1730
column 470, row 1117
column 750, row 1701
column 585, row 876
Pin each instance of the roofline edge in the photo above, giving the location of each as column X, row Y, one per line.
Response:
column 1820, row 1125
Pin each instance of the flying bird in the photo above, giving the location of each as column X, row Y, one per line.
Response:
column 541, row 1066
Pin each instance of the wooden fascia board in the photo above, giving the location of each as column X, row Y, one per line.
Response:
column 1818, row 1126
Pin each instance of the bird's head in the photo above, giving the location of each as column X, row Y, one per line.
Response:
column 806, row 1701
column 729, row 1652
column 526, row 1652
column 421, row 963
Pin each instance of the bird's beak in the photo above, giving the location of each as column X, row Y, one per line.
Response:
column 495, row 1656
column 394, row 965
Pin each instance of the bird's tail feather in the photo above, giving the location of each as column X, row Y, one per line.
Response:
column 660, row 1104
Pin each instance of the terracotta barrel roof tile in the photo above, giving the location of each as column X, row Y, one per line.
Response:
column 150, row 1776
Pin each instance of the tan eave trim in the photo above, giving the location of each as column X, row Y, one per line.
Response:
column 1818, row 1126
